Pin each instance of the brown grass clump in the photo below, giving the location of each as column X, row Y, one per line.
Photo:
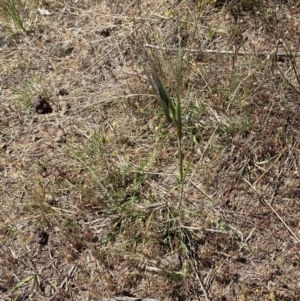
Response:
column 102, row 198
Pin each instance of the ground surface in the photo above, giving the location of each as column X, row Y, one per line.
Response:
column 89, row 189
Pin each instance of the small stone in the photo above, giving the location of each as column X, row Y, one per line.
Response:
column 49, row 199
column 48, row 289
column 60, row 136
column 64, row 107
column 63, row 49
column 172, row 262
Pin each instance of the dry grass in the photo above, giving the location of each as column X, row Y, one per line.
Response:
column 91, row 200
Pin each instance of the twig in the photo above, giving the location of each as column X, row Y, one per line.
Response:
column 125, row 298
column 192, row 50
column 203, row 192
column 202, row 229
column 126, row 37
column 199, row 280
column 275, row 212
column 256, row 181
column 70, row 274
column 194, row 265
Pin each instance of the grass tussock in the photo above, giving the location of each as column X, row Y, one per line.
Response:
column 10, row 10
column 167, row 166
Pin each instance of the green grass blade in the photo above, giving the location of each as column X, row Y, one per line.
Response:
column 162, row 95
column 178, row 103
